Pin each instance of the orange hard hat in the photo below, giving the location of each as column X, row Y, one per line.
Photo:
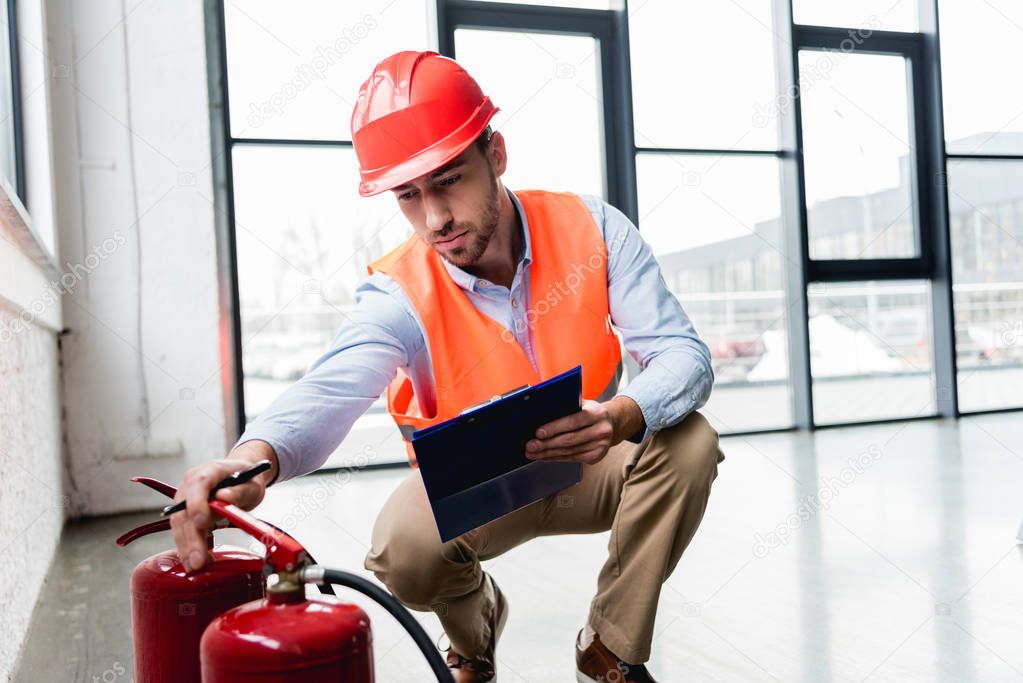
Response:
column 416, row 112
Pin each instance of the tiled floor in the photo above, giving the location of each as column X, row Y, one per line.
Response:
column 881, row 553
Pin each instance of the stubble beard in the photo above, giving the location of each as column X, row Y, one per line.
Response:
column 478, row 239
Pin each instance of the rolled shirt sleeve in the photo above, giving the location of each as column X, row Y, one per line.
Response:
column 676, row 374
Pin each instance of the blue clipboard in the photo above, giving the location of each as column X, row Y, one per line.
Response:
column 474, row 465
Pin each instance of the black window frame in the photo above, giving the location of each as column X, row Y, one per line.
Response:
column 933, row 262
column 610, row 28
column 908, row 46
column 16, row 114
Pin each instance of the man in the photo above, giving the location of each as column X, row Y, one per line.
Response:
column 496, row 289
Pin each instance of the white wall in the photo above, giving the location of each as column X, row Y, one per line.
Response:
column 32, row 500
column 141, row 357
column 116, row 249
column 31, row 506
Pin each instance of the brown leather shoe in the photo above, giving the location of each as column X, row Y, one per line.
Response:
column 483, row 666
column 597, row 664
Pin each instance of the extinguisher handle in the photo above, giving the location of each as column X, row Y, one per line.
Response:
column 152, row 528
column 283, row 552
column 157, row 485
column 144, row 530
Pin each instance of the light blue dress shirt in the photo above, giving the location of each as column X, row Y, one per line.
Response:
column 307, row 422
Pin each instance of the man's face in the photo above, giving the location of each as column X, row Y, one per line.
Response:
column 455, row 208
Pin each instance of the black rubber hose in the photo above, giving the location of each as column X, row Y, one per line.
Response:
column 398, row 611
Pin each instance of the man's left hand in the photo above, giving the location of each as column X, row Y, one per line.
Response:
column 587, row 435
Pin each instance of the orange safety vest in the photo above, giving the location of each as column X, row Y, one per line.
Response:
column 475, row 358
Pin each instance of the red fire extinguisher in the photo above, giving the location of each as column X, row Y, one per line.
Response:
column 171, row 607
column 245, row 637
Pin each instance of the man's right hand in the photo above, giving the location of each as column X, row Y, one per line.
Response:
column 192, row 525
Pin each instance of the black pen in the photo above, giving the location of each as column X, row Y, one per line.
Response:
column 239, row 477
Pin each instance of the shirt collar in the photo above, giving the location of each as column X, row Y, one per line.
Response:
column 469, row 281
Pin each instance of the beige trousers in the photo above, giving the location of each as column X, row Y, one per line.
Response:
column 650, row 495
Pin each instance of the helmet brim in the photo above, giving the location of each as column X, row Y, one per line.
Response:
column 433, row 157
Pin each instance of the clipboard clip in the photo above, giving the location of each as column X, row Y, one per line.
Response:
column 495, row 398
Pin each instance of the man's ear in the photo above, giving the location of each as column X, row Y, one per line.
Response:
column 498, row 153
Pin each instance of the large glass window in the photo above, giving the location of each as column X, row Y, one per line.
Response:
column 304, row 236
column 713, row 218
column 692, row 85
column 981, row 55
column 8, row 129
column 870, row 351
column 550, row 103
column 858, row 155
column 983, row 116
column 706, row 108
column 296, row 73
column 986, row 222
column 299, row 261
column 714, row 226
column 578, row 4
column 897, row 15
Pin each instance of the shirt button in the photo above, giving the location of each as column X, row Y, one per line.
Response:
column 515, row 303
column 663, row 422
column 693, row 396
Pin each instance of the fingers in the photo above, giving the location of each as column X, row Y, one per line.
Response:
column 586, row 416
column 571, row 445
column 192, row 525
column 246, row 496
column 589, row 457
column 189, row 540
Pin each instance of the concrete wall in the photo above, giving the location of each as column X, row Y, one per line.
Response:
column 32, row 504
column 141, row 355
column 32, row 501
column 109, row 344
